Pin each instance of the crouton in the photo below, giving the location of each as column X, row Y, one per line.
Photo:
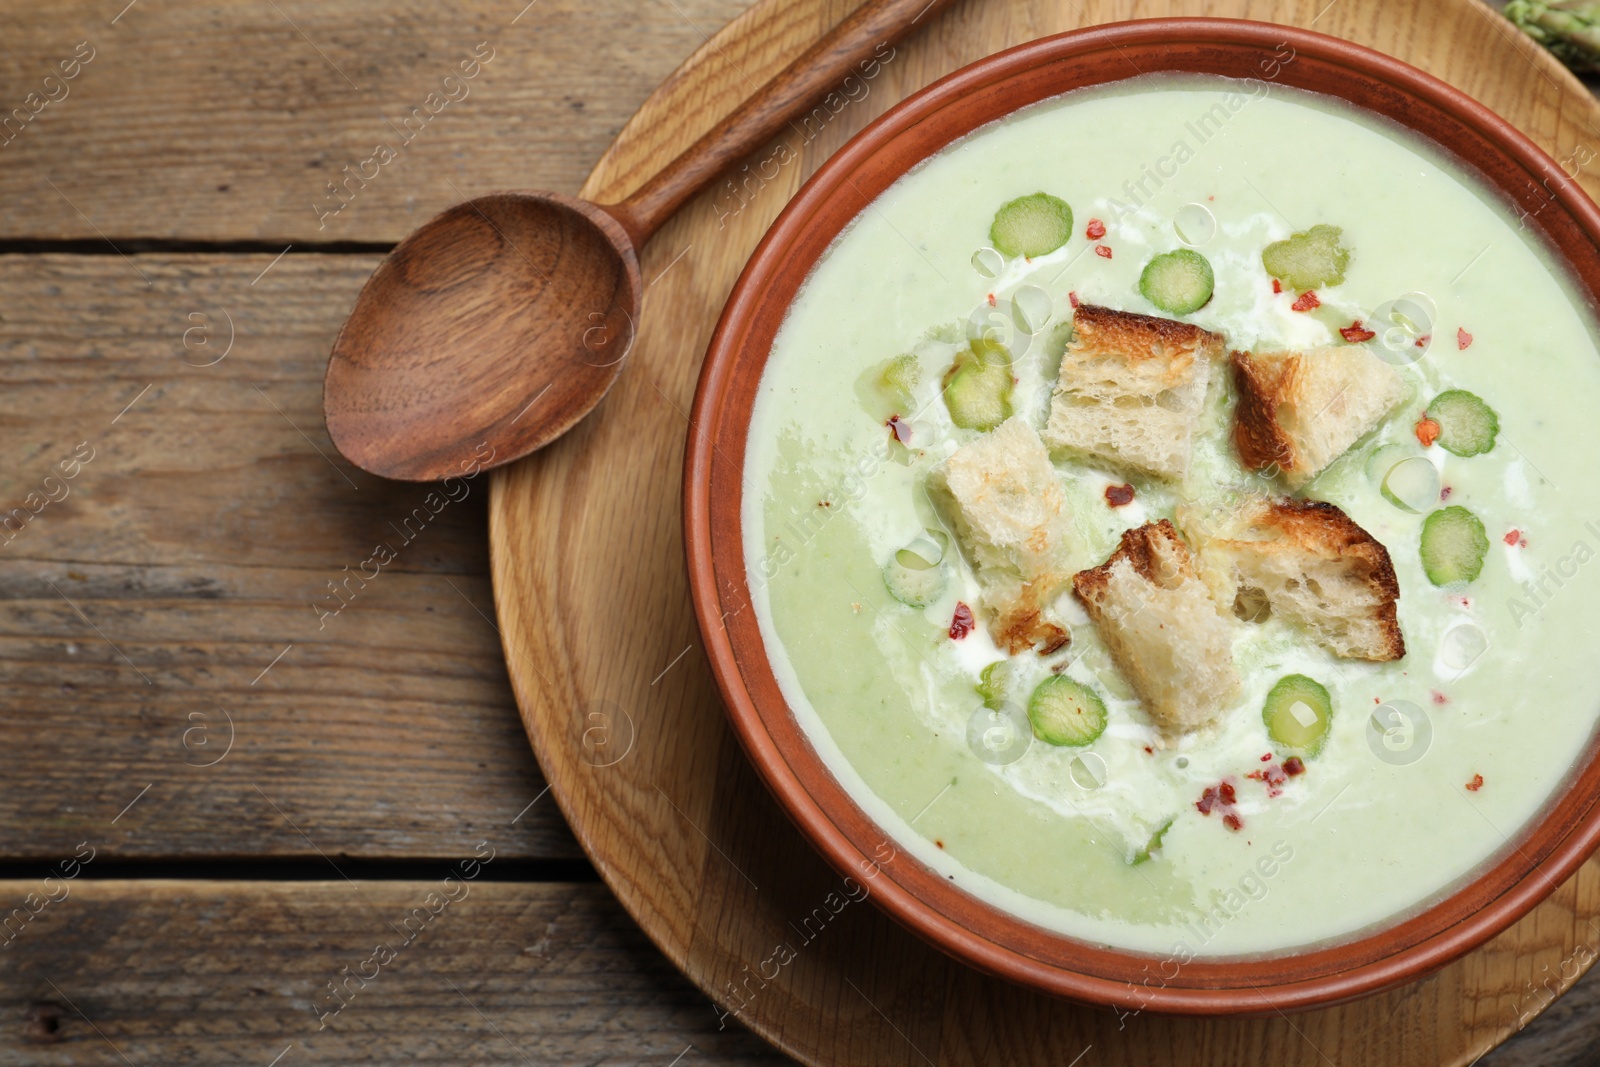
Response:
column 1162, row 627
column 1009, row 512
column 1300, row 411
column 1131, row 390
column 1311, row 564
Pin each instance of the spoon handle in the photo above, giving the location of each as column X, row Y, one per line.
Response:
column 823, row 67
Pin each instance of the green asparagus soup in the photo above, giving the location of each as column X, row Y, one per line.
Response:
column 1331, row 793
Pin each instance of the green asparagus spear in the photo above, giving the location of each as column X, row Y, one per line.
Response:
column 1569, row 28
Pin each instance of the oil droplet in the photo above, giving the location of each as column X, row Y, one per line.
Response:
column 1194, row 224
column 1088, row 770
column 1412, row 485
column 988, row 262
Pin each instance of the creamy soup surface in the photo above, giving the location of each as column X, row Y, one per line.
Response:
column 1432, row 764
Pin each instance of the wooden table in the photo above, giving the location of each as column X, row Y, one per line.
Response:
column 239, row 757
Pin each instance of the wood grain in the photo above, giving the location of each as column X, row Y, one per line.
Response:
column 505, row 974
column 385, row 759
column 195, row 547
column 175, row 130
column 502, row 321
column 785, row 100
column 599, row 631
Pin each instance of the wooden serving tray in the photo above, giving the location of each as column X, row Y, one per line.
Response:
column 619, row 703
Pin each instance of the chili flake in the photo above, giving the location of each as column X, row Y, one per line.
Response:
column 1516, row 540
column 1294, row 766
column 1356, row 333
column 1102, row 251
column 1463, row 339
column 1476, row 783
column 1119, row 495
column 1307, row 301
column 961, row 623
column 1271, row 776
column 1095, row 230
column 1427, row 431
column 1277, row 286
column 900, row 428
column 1072, row 295
column 1220, row 797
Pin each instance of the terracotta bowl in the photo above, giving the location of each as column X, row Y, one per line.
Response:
column 1495, row 895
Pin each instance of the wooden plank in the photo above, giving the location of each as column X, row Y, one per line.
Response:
column 237, row 972
column 1566, row 1035
column 210, row 973
column 226, row 121
column 194, row 547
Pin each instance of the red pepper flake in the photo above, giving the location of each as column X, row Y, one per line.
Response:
column 1294, row 766
column 1476, row 783
column 990, row 298
column 1444, row 494
column 1277, row 286
column 1272, row 776
column 961, row 622
column 1422, row 342
column 900, row 428
column 1148, row 751
column 1220, row 797
column 1427, row 431
column 1095, row 230
column 1266, row 757
column 1102, row 251
column 938, row 842
column 1072, row 295
column 1307, row 301
column 1463, row 339
column 1356, row 333
column 1516, row 540
column 1439, row 698
column 1119, row 495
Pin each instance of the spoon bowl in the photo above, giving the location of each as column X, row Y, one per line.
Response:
column 504, row 320
column 501, row 321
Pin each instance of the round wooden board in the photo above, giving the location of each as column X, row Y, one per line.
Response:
column 619, row 703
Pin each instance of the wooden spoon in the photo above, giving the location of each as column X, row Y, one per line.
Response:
column 501, row 322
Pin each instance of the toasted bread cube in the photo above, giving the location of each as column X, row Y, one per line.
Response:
column 1131, row 390
column 1009, row 512
column 1162, row 627
column 1299, row 411
column 1311, row 564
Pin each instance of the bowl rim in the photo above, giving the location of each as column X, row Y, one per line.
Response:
column 1477, row 906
